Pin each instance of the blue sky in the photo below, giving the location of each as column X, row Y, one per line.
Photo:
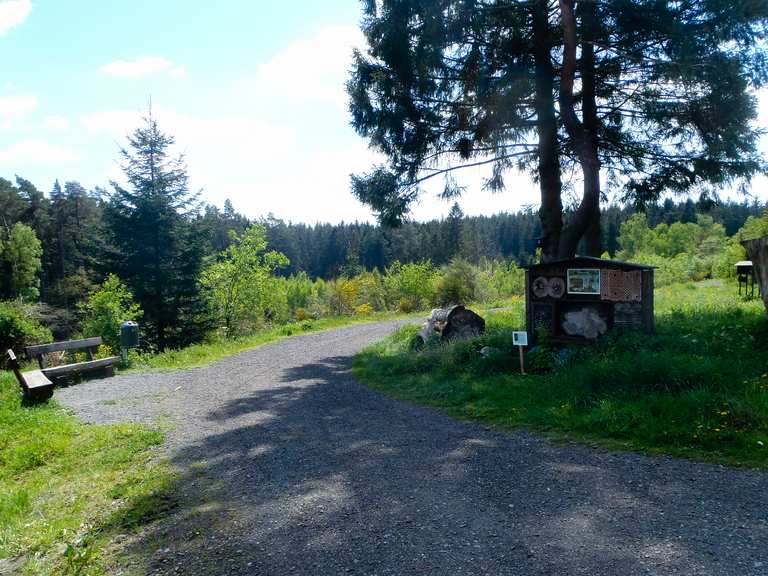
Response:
column 252, row 90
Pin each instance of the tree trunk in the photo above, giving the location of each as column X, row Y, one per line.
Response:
column 757, row 250
column 586, row 220
column 550, row 185
column 593, row 235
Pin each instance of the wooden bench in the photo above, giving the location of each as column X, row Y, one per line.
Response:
column 34, row 383
column 90, row 345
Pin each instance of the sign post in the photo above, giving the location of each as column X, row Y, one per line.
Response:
column 520, row 339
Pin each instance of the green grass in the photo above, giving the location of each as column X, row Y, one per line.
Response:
column 208, row 352
column 697, row 389
column 68, row 489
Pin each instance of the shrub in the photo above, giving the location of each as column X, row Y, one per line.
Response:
column 301, row 292
column 364, row 310
column 458, row 284
column 343, row 295
column 301, row 315
column 372, row 290
column 406, row 305
column 495, row 281
column 19, row 328
column 412, row 282
column 106, row 309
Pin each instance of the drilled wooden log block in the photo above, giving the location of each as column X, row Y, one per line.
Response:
column 452, row 323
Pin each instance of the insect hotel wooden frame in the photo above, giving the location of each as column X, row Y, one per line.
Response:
column 579, row 299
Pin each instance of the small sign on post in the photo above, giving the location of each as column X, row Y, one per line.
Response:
column 520, row 339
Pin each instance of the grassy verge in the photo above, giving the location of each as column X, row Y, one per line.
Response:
column 207, row 352
column 67, row 489
column 698, row 388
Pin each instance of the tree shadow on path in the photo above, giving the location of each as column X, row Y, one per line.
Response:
column 316, row 474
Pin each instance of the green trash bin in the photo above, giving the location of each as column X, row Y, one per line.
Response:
column 129, row 335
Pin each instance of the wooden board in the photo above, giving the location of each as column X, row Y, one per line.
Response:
column 66, row 345
column 36, row 379
column 57, row 371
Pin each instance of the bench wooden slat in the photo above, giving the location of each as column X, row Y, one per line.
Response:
column 34, row 383
column 41, row 349
column 36, row 379
column 56, row 371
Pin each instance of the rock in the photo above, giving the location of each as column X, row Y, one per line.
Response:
column 586, row 322
column 487, row 351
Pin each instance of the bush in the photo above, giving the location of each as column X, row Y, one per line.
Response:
column 106, row 309
column 458, row 284
column 364, row 310
column 498, row 280
column 343, row 295
column 300, row 315
column 410, row 286
column 19, row 328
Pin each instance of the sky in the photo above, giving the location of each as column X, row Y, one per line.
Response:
column 253, row 92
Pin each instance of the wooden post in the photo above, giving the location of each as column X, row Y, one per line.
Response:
column 522, row 360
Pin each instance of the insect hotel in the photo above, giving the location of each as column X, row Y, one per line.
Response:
column 580, row 299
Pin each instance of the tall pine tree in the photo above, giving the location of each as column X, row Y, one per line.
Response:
column 659, row 94
column 157, row 235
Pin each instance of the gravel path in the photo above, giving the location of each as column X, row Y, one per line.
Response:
column 288, row 466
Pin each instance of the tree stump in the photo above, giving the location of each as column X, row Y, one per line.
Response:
column 454, row 323
column 758, row 252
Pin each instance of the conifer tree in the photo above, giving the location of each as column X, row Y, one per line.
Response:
column 657, row 94
column 157, row 236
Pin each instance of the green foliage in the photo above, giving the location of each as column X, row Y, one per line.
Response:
column 411, row 286
column 754, row 227
column 697, row 388
column 685, row 251
column 20, row 263
column 458, row 284
column 241, row 288
column 159, row 238
column 106, row 309
column 427, row 88
column 19, row 328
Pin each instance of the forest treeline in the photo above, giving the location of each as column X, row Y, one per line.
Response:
column 78, row 261
column 69, row 221
column 327, row 250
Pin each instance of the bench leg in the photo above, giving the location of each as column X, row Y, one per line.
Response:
column 38, row 394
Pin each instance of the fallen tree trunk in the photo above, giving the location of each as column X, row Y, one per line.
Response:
column 452, row 323
column 757, row 250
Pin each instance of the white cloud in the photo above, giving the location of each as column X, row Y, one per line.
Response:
column 140, row 67
column 13, row 13
column 59, row 123
column 310, row 70
column 36, row 153
column 115, row 123
column 178, row 72
column 17, row 107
